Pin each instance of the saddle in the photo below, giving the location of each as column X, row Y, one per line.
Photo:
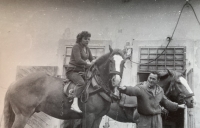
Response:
column 71, row 90
column 128, row 101
column 91, row 77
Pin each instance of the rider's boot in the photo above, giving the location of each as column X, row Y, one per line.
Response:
column 77, row 93
column 75, row 106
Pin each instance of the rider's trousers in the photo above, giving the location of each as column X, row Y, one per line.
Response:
column 77, row 79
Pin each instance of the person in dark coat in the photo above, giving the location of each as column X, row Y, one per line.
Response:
column 150, row 98
column 80, row 60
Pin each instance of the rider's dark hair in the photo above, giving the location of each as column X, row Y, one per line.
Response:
column 156, row 73
column 81, row 35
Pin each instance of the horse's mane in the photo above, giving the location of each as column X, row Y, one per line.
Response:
column 163, row 75
column 104, row 57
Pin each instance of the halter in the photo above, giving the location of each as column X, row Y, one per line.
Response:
column 112, row 70
column 181, row 95
column 102, row 86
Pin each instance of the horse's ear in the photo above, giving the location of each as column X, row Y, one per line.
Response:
column 110, row 48
column 184, row 73
column 169, row 72
column 124, row 51
column 162, row 73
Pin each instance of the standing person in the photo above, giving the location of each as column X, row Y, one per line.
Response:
column 80, row 60
column 149, row 97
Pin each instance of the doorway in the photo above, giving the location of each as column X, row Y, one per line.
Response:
column 173, row 58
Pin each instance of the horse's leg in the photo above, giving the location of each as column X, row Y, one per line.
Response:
column 9, row 115
column 71, row 114
column 97, row 122
column 75, row 123
column 78, row 123
column 21, row 115
column 88, row 120
column 20, row 121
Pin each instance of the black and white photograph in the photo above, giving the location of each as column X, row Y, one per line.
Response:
column 99, row 63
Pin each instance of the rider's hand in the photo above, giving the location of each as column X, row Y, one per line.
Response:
column 88, row 62
column 82, row 73
column 93, row 61
column 122, row 88
column 181, row 106
column 164, row 111
column 88, row 65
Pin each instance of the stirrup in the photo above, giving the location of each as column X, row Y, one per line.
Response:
column 71, row 95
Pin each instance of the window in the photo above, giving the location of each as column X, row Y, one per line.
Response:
column 173, row 59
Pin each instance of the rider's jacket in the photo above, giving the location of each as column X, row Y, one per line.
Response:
column 79, row 56
column 149, row 104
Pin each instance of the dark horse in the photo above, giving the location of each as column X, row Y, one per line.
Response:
column 175, row 87
column 41, row 92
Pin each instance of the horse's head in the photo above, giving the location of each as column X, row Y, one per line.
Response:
column 111, row 67
column 176, row 88
column 116, row 65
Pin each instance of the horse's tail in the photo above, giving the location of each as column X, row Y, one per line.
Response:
column 9, row 115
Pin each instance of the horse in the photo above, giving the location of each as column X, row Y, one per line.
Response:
column 174, row 85
column 39, row 92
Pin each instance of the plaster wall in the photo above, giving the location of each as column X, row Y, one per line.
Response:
column 30, row 30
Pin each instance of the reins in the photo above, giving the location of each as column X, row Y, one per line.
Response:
column 102, row 86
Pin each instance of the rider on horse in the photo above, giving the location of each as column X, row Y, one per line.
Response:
column 80, row 60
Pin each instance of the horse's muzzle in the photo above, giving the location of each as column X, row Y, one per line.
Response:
column 190, row 102
column 116, row 80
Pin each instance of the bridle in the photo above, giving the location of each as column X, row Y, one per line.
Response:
column 181, row 96
column 112, row 70
column 96, row 75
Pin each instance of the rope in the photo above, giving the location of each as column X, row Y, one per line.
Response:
column 194, row 13
column 170, row 38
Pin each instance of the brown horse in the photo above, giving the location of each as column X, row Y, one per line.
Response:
column 40, row 92
column 175, row 87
